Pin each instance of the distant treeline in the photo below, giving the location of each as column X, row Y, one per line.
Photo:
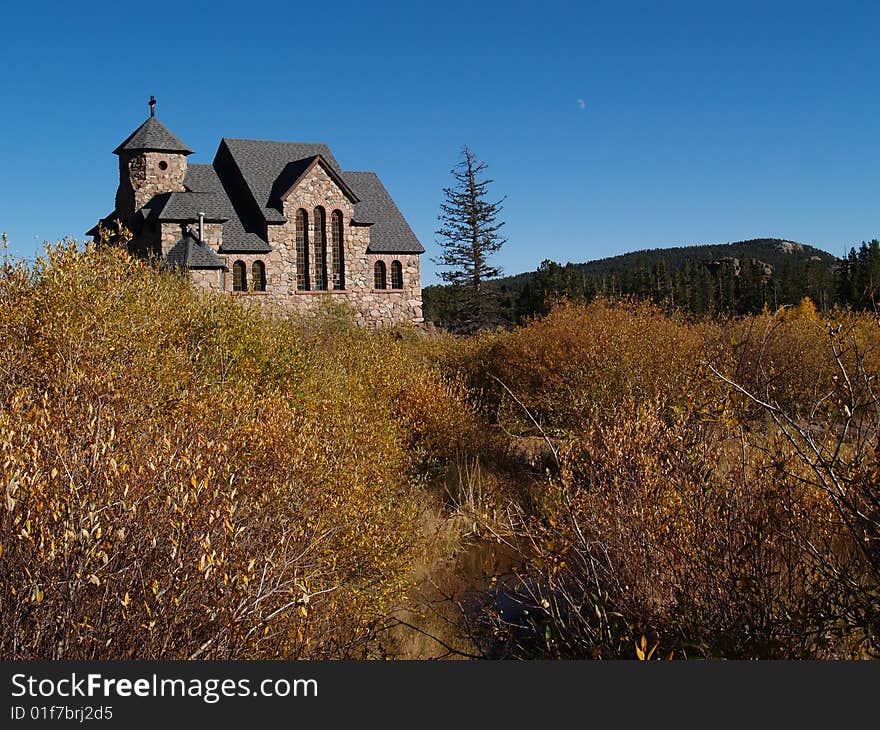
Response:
column 731, row 279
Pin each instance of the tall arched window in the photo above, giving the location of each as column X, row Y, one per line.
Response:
column 302, row 250
column 396, row 275
column 320, row 249
column 379, row 281
column 258, row 276
column 239, row 276
column 338, row 250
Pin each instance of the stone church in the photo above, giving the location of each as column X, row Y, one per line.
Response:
column 279, row 221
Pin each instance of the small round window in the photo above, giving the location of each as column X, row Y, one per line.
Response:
column 163, row 165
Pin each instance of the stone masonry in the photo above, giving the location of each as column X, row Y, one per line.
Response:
column 145, row 175
column 248, row 201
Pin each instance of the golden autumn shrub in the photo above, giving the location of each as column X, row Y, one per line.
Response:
column 583, row 359
column 709, row 542
column 704, row 533
column 683, row 509
column 429, row 410
column 184, row 476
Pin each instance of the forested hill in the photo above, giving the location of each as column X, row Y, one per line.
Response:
column 776, row 252
column 715, row 279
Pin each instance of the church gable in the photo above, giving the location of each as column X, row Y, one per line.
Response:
column 313, row 176
column 316, row 184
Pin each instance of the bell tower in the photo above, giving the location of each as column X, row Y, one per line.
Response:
column 152, row 160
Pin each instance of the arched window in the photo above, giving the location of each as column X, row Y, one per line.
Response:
column 396, row 275
column 302, row 250
column 338, row 250
column 320, row 249
column 258, row 276
column 379, row 281
column 239, row 276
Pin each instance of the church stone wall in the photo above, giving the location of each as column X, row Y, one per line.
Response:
column 141, row 177
column 145, row 174
column 172, row 232
column 372, row 307
column 212, row 279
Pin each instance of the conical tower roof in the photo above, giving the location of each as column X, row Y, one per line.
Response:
column 154, row 136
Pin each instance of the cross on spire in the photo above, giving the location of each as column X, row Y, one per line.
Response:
column 152, row 105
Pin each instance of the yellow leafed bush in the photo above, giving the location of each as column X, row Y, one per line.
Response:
column 186, row 477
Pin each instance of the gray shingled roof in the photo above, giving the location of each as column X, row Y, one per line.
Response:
column 268, row 166
column 190, row 252
column 237, row 240
column 241, row 188
column 187, row 206
column 204, row 179
column 390, row 233
column 262, row 162
column 153, row 135
column 107, row 221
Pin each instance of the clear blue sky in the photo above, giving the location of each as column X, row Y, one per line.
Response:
column 610, row 126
